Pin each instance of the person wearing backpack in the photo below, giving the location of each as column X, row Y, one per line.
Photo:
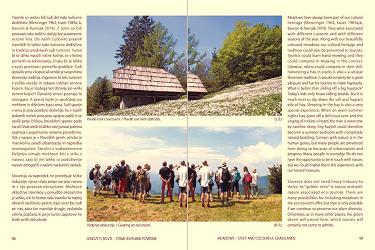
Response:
column 225, row 179
column 246, row 182
column 95, row 175
column 136, row 183
column 143, row 178
column 235, row 187
column 123, row 173
column 107, row 178
column 116, row 178
column 165, row 177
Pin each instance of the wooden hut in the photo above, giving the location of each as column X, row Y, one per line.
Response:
column 142, row 85
column 195, row 87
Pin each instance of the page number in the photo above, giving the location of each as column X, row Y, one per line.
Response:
column 360, row 237
column 14, row 238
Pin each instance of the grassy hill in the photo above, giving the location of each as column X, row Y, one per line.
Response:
column 110, row 208
column 263, row 208
column 258, row 98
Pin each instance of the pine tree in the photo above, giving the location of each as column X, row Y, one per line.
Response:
column 275, row 179
column 99, row 96
column 157, row 50
column 134, row 35
column 194, row 56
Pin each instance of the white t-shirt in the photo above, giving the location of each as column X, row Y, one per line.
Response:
column 182, row 174
column 255, row 178
column 205, row 174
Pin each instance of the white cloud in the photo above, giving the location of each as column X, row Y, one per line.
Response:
column 259, row 156
column 108, row 147
column 225, row 130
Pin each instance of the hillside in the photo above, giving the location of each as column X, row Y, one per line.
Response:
column 258, row 98
column 109, row 208
column 263, row 208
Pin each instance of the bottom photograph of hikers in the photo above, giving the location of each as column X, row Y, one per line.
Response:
column 142, row 174
column 235, row 174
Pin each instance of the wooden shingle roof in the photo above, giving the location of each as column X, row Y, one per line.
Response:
column 145, row 79
column 194, row 84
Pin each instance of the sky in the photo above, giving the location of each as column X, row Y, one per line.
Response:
column 104, row 36
column 257, row 147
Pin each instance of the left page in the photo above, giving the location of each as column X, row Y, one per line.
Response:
column 74, row 174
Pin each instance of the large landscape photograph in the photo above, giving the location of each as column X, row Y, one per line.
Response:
column 156, row 65
column 143, row 174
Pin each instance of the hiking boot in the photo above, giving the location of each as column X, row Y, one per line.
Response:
column 119, row 196
column 180, row 204
column 208, row 205
column 202, row 205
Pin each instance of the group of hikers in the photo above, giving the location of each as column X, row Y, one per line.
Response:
column 121, row 179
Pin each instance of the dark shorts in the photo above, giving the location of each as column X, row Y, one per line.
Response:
column 210, row 187
column 224, row 186
column 235, row 186
column 182, row 190
column 204, row 190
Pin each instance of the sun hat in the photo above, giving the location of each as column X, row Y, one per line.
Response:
column 223, row 164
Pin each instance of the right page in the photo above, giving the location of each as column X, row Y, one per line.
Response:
column 279, row 124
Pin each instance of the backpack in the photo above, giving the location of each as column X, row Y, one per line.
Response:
column 141, row 176
column 236, row 177
column 91, row 174
column 248, row 178
column 116, row 173
column 225, row 175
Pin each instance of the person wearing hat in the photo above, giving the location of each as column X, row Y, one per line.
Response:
column 143, row 178
column 165, row 177
column 235, row 187
column 205, row 174
column 116, row 178
column 96, row 179
column 182, row 176
column 254, row 184
column 225, row 180
column 192, row 173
